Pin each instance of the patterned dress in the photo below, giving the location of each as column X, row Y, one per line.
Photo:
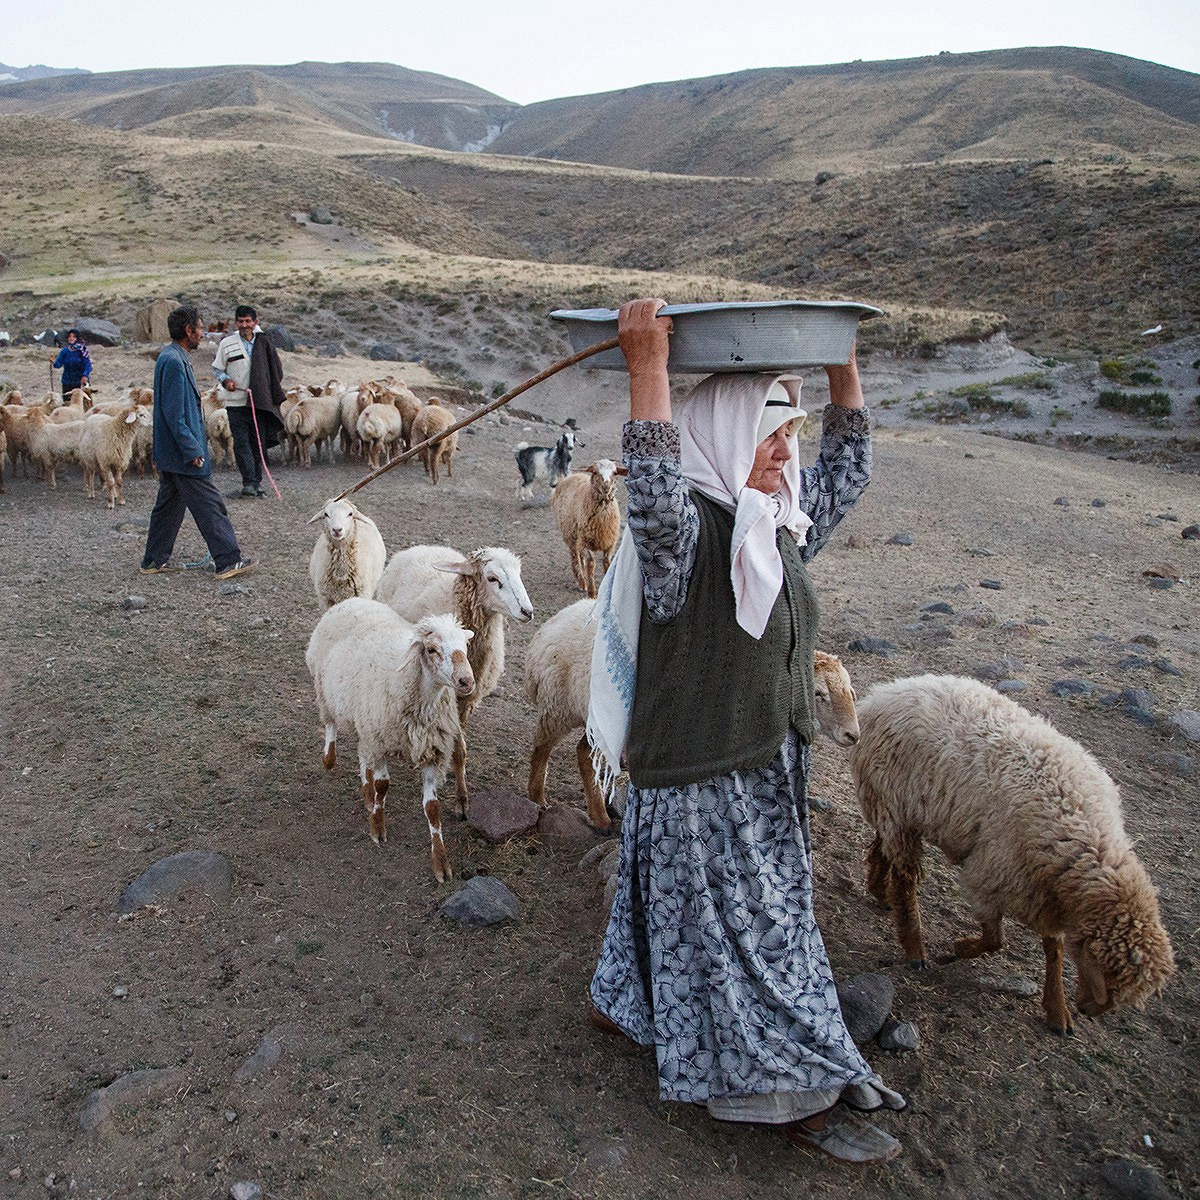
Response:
column 712, row 953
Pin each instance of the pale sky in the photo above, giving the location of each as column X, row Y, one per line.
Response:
column 528, row 50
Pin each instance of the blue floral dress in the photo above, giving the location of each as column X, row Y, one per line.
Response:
column 712, row 953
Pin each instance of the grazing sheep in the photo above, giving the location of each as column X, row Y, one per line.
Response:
column 16, row 429
column 106, row 448
column 349, row 556
column 432, row 420
column 313, row 421
column 394, row 686
column 545, row 464
column 585, row 506
column 558, row 672
column 407, row 405
column 379, row 430
column 481, row 589
column 1033, row 821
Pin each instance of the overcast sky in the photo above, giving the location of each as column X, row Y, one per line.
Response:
column 527, row 50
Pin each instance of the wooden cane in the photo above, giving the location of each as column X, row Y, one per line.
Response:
column 553, row 369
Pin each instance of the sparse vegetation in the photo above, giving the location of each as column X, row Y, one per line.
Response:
column 981, row 398
column 1029, row 381
column 1133, row 372
column 1139, row 404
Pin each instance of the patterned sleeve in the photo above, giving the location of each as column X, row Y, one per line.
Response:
column 843, row 469
column 663, row 521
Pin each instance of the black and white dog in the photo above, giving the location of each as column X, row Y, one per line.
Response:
column 544, row 464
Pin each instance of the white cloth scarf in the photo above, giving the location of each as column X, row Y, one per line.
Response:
column 718, row 424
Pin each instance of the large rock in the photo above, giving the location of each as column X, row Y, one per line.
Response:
column 385, row 352
column 96, row 332
column 190, row 870
column 866, row 1001
column 150, row 322
column 499, row 815
column 481, row 901
column 280, row 336
column 128, row 1089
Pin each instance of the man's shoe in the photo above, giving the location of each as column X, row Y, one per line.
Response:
column 158, row 568
column 249, row 490
column 241, row 567
column 258, row 490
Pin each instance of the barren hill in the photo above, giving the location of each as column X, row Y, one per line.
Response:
column 792, row 122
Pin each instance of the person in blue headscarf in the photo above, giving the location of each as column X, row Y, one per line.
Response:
column 75, row 363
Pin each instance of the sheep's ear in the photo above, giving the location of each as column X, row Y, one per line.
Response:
column 468, row 634
column 129, row 420
column 458, row 568
column 317, row 517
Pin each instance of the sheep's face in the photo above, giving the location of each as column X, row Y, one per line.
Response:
column 443, row 650
column 503, row 589
column 604, row 480
column 835, row 696
column 1124, row 961
column 1092, row 994
column 338, row 516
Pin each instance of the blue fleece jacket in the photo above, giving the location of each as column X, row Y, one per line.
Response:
column 179, row 435
column 76, row 364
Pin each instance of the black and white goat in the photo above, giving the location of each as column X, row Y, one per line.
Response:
column 545, row 464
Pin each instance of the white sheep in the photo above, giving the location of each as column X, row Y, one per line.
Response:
column 353, row 404
column 51, row 445
column 394, row 686
column 349, row 556
column 379, row 430
column 216, row 426
column 481, row 589
column 407, row 403
column 585, row 506
column 106, row 449
column 14, row 424
column 1032, row 820
column 558, row 670
column 432, row 420
column 313, row 421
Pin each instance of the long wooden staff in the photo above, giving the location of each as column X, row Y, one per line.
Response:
column 553, row 369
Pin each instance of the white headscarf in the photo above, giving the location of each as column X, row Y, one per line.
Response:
column 718, row 425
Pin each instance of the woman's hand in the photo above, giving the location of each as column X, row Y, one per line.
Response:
column 643, row 337
column 845, row 389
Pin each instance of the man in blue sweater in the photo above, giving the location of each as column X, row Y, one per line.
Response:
column 181, row 455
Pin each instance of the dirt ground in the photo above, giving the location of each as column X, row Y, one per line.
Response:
column 422, row 1058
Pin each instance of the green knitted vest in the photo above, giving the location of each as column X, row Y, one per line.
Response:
column 709, row 698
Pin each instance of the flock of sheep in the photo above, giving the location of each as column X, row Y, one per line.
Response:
column 407, row 648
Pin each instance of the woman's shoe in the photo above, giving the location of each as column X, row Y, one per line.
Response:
column 846, row 1137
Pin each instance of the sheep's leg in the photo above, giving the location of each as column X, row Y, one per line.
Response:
column 433, row 815
column 119, row 479
column 1054, row 1000
column 904, row 873
column 460, row 774
column 112, row 488
column 879, row 872
column 589, row 574
column 329, row 755
column 598, row 817
column 539, row 763
column 992, row 938
column 374, row 797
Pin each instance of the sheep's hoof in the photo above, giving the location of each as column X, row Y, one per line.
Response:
column 918, row 964
column 1058, row 1031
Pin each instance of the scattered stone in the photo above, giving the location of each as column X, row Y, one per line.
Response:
column 1186, row 722
column 992, row 585
column 263, row 1059
column 120, row 992
column 482, row 901
column 1062, row 502
column 1134, row 703
column 130, row 524
column 1002, row 668
column 385, row 352
column 134, row 603
column 1074, row 660
column 280, row 336
column 975, row 620
column 939, row 606
column 873, row 645
column 246, row 1189
column 230, row 1116
column 1103, row 637
column 468, row 1031
column 1145, row 639
column 564, row 826
column 501, row 814
column 1174, row 763
column 1133, row 662
column 1164, row 666
column 866, row 1001
column 233, row 589
column 1098, row 503
column 1132, row 1181
column 319, row 214
column 1163, row 570
column 1072, row 687
column 203, row 870
column 900, row 539
column 1009, row 985
column 1190, row 533
column 1167, row 517
column 1161, row 585
column 820, row 803
column 593, row 856
column 899, row 1035
column 128, row 1089
column 854, row 542
column 97, row 332
column 332, row 350
column 981, row 552
column 1010, row 687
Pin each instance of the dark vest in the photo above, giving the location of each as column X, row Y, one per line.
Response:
column 709, row 698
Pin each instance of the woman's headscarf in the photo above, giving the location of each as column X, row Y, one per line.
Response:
column 719, row 426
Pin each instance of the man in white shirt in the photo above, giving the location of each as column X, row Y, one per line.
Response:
column 232, row 369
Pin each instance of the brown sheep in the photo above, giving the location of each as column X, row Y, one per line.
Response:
column 585, row 506
column 432, row 420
